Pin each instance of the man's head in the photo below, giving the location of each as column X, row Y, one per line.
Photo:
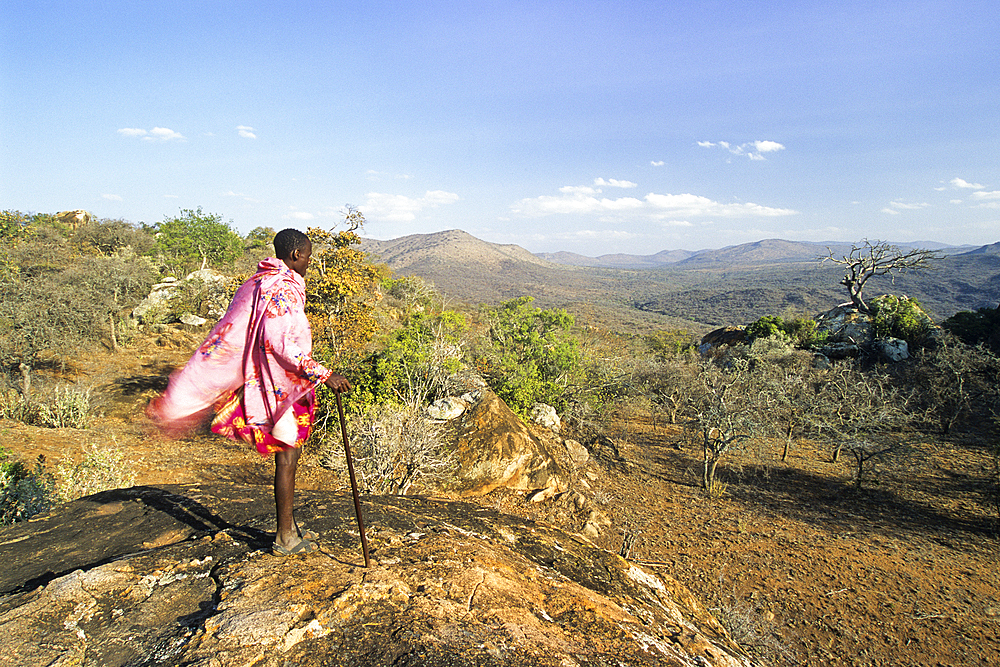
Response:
column 293, row 248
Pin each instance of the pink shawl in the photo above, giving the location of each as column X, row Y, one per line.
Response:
column 262, row 346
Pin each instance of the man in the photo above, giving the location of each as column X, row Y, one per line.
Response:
column 256, row 373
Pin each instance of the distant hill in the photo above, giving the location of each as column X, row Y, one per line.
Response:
column 992, row 249
column 462, row 266
column 619, row 260
column 768, row 251
column 452, row 246
column 733, row 285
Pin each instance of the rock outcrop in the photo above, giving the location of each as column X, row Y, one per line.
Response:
column 496, row 449
column 181, row 575
column 76, row 218
column 159, row 306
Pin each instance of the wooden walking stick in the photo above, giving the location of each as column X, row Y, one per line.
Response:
column 354, row 484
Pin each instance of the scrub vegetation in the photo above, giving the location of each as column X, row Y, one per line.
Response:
column 737, row 424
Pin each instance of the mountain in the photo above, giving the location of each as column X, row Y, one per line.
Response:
column 732, row 285
column 619, row 260
column 767, row 251
column 417, row 251
column 991, row 249
column 473, row 270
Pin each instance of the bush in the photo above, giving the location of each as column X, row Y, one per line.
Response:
column 417, row 364
column 100, row 470
column 530, row 355
column 24, row 491
column 982, row 326
column 107, row 237
column 801, row 331
column 70, row 408
column 395, row 447
column 899, row 317
column 195, row 239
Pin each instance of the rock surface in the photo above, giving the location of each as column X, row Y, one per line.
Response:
column 496, row 449
column 181, row 575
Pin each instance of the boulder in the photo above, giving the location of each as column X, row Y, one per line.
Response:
column 891, row 349
column 447, row 408
column 193, row 320
column 845, row 324
column 724, row 336
column 578, row 454
column 837, row 351
column 182, row 575
column 545, row 415
column 75, row 219
column 158, row 306
column 496, row 449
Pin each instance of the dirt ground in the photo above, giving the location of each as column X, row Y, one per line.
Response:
column 802, row 567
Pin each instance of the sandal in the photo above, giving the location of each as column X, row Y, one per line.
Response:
column 303, row 547
column 306, row 534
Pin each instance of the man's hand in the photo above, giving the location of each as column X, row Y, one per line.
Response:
column 338, row 383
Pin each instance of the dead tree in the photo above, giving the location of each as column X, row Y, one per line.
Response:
column 877, row 259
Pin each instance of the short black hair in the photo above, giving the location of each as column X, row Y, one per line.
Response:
column 288, row 240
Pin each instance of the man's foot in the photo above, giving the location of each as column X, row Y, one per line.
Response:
column 303, row 547
column 306, row 534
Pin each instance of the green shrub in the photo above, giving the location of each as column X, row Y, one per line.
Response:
column 804, row 333
column 769, row 326
column 530, row 356
column 982, row 326
column 70, row 408
column 800, row 331
column 100, row 470
column 899, row 317
column 416, row 364
column 24, row 491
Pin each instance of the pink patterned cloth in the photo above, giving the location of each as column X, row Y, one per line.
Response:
column 255, row 366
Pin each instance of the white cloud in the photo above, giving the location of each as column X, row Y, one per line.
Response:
column 246, row 131
column 961, row 183
column 400, row 208
column 907, row 207
column 156, row 134
column 112, row 197
column 891, row 211
column 995, row 194
column 768, row 146
column 171, row 196
column 614, row 183
column 656, row 163
column 754, row 150
column 165, row 134
column 583, row 200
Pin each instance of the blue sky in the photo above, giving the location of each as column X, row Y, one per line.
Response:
column 593, row 127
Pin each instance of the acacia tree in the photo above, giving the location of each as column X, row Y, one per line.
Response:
column 877, row 259
column 724, row 410
column 194, row 238
column 340, row 293
column 860, row 412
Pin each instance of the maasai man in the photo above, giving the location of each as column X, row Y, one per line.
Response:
column 256, row 374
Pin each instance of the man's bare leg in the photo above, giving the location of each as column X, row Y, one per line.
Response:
column 285, row 464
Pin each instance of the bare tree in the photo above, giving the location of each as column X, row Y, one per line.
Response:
column 877, row 259
column 858, row 411
column 724, row 411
